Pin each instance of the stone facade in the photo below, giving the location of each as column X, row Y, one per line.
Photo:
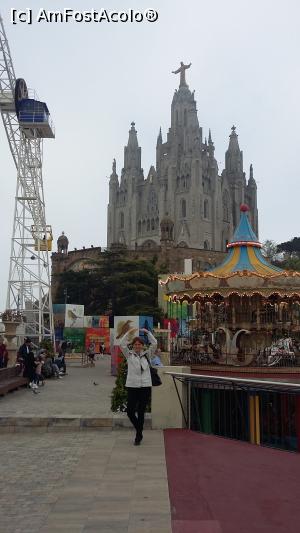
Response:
column 185, row 186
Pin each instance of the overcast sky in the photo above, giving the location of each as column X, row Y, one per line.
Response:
column 97, row 78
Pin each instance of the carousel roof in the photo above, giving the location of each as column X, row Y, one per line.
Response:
column 244, row 271
column 244, row 251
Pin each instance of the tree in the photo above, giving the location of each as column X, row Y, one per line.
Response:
column 269, row 249
column 292, row 247
column 119, row 285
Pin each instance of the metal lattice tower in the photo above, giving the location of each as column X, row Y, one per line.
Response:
column 26, row 122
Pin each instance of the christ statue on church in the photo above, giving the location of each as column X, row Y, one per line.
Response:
column 182, row 70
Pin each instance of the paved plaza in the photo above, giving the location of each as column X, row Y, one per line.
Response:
column 83, row 482
column 73, row 395
column 56, row 478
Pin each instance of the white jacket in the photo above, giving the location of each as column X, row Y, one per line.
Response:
column 138, row 374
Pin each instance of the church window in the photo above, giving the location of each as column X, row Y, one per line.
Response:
column 185, row 117
column 183, row 208
column 178, row 182
column 206, row 245
column 148, row 225
column 139, row 227
column 156, row 222
column 121, row 220
column 176, row 118
column 152, row 224
column 144, row 225
column 226, row 206
column 206, row 209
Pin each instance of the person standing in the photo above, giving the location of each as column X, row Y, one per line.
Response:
column 26, row 355
column 3, row 354
column 91, row 353
column 138, row 382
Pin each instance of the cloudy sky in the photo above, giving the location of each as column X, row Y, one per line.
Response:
column 97, row 78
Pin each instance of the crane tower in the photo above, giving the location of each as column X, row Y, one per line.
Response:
column 27, row 122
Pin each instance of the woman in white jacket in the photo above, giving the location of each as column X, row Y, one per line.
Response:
column 138, row 382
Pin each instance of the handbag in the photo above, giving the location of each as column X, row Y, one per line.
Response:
column 155, row 379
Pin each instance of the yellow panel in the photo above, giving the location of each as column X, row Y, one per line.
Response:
column 259, row 267
column 228, row 267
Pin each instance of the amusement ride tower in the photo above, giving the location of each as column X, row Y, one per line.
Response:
column 27, row 121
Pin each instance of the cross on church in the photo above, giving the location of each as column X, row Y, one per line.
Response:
column 182, row 70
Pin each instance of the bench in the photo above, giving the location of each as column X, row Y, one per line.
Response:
column 11, row 379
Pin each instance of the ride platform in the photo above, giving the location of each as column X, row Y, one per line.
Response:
column 34, row 119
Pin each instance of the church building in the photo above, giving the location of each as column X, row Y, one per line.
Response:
column 184, row 199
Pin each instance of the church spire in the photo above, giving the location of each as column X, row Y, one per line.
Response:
column 132, row 152
column 234, row 156
column 251, row 180
column 233, row 141
column 159, row 138
column 132, row 139
column 211, row 148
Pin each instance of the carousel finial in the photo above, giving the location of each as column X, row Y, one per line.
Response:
column 244, row 208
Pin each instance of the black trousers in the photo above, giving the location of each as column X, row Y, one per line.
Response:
column 137, row 403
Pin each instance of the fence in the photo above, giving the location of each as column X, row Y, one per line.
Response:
column 262, row 358
column 262, row 412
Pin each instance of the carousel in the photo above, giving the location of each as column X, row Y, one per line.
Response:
column 245, row 311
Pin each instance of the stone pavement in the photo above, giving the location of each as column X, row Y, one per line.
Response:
column 74, row 395
column 78, row 481
column 83, row 482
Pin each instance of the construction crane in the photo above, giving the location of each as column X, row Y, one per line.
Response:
column 27, row 122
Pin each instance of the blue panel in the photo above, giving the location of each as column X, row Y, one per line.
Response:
column 244, row 232
column 244, row 262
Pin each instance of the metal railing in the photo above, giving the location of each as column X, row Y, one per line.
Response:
column 260, row 358
column 262, row 412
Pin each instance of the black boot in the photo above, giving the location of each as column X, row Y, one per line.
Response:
column 138, row 438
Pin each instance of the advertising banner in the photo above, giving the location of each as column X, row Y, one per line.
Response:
column 104, row 321
column 77, row 337
column 59, row 313
column 145, row 322
column 87, row 321
column 97, row 336
column 95, row 321
column 122, row 324
column 74, row 316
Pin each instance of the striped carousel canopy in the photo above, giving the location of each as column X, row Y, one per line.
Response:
column 244, row 252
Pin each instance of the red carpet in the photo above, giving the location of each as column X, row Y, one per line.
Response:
column 224, row 486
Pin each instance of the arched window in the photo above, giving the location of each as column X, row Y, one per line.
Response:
column 148, row 225
column 183, row 208
column 121, row 220
column 206, row 245
column 139, row 227
column 185, row 118
column 206, row 209
column 152, row 224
